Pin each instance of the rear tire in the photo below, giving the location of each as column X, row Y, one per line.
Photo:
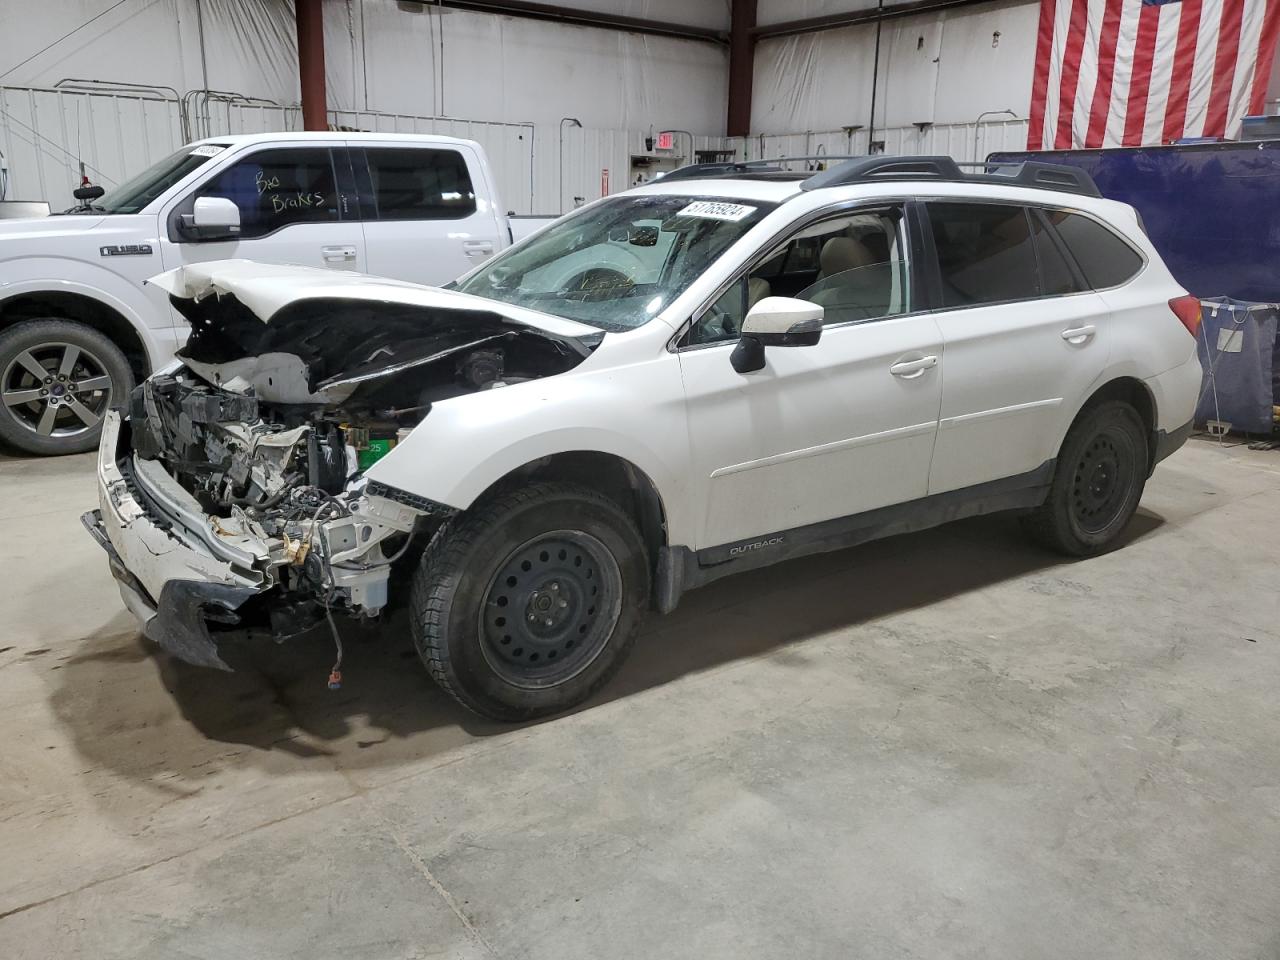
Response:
column 527, row 605
column 59, row 410
column 1098, row 480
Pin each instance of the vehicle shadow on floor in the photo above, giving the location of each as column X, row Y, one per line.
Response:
column 278, row 700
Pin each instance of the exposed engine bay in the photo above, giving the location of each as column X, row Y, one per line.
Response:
column 289, row 476
column 269, row 427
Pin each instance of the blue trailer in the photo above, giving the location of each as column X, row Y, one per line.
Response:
column 1211, row 209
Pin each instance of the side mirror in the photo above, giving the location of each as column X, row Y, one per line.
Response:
column 776, row 322
column 212, row 218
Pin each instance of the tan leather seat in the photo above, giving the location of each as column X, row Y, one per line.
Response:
column 757, row 290
column 843, row 253
column 853, row 283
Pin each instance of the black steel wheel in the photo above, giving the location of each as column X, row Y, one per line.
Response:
column 1098, row 481
column 1101, row 479
column 526, row 604
column 550, row 608
column 57, row 381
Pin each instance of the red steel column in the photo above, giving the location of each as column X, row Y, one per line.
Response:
column 741, row 67
column 310, row 18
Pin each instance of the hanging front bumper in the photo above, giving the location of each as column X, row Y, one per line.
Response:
column 175, row 573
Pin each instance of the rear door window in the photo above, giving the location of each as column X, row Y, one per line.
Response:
column 418, row 183
column 985, row 253
column 1104, row 258
column 275, row 188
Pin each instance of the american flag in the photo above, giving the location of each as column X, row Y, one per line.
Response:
column 1112, row 73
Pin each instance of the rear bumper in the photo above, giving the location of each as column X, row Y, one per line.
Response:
column 169, row 577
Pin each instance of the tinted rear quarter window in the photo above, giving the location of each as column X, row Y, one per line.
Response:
column 1104, row 259
column 420, row 184
column 1056, row 275
column 985, row 253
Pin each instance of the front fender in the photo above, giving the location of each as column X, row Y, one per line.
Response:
column 468, row 443
column 34, row 275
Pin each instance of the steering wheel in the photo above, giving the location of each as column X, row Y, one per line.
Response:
column 598, row 283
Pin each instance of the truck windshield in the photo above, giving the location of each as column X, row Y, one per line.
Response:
column 616, row 264
column 132, row 195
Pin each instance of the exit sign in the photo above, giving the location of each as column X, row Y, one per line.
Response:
column 666, row 140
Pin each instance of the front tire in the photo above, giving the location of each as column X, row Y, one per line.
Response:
column 527, row 605
column 58, row 378
column 1097, row 483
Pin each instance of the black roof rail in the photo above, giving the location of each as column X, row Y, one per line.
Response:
column 810, row 158
column 863, row 169
column 1046, row 176
column 695, row 171
column 1029, row 173
column 731, row 167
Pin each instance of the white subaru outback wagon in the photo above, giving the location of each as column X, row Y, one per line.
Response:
column 715, row 372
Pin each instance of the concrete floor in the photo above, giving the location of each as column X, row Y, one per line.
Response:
column 945, row 745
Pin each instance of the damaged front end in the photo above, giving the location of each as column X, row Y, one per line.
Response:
column 232, row 489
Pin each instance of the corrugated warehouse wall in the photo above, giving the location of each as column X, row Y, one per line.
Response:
column 164, row 71
column 944, row 67
column 938, row 71
column 212, row 67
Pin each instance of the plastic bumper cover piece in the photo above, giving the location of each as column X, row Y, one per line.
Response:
column 178, row 621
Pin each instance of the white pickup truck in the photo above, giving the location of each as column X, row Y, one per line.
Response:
column 79, row 325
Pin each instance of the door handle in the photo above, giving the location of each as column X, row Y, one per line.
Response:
column 339, row 254
column 1079, row 335
column 478, row 248
column 910, row 369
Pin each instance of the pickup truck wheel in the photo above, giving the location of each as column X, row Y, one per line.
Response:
column 1097, row 483
column 57, row 380
column 527, row 605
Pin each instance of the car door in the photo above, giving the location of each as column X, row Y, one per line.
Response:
column 1023, row 336
column 825, row 431
column 297, row 206
column 429, row 215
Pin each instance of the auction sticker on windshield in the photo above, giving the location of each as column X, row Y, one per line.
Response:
column 207, row 150
column 714, row 210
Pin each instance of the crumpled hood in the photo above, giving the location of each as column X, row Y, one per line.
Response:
column 265, row 289
column 309, row 335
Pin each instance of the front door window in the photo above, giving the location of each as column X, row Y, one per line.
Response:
column 853, row 265
column 275, row 188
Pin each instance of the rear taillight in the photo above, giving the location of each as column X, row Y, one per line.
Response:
column 1187, row 309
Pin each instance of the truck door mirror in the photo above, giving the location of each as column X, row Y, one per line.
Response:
column 212, row 218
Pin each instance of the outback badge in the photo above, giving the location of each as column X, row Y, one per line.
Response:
column 755, row 545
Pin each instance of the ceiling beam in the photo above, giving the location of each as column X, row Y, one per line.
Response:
column 558, row 13
column 834, row 21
